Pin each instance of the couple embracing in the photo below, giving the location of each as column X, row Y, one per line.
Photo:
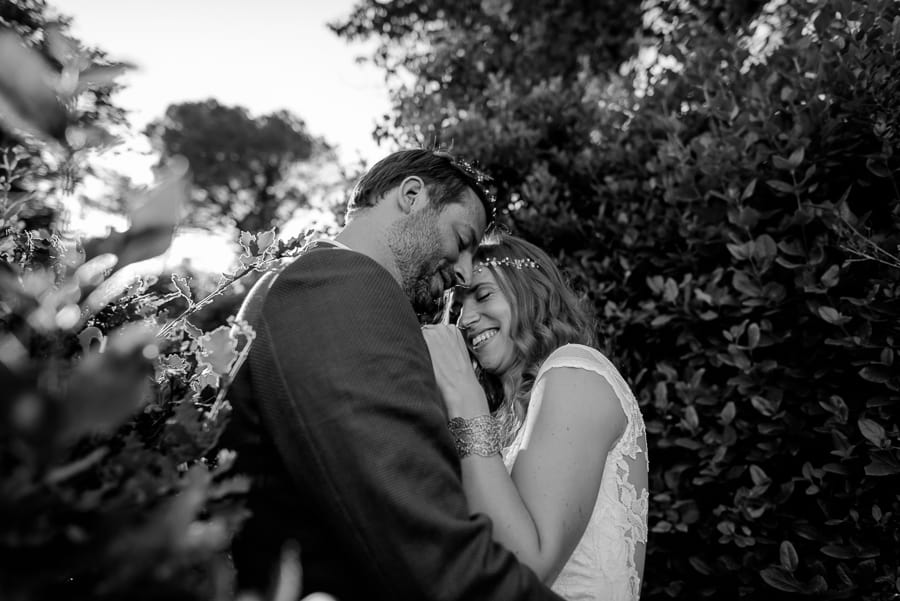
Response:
column 497, row 456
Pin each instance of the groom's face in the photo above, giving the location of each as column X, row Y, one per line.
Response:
column 434, row 245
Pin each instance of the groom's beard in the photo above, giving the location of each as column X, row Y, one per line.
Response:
column 412, row 241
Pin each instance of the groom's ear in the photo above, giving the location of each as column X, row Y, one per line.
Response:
column 411, row 192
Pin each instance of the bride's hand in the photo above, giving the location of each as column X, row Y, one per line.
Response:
column 453, row 371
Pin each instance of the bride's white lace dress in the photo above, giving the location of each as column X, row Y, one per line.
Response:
column 604, row 563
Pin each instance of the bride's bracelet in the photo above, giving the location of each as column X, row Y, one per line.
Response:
column 480, row 435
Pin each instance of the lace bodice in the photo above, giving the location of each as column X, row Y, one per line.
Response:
column 604, row 563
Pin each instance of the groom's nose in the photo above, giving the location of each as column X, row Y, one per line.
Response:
column 462, row 269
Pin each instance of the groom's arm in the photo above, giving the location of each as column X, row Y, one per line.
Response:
column 358, row 420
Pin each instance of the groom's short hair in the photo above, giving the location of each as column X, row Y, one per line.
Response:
column 446, row 177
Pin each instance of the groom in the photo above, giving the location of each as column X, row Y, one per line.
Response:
column 337, row 416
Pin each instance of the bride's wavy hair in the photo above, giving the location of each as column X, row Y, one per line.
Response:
column 546, row 314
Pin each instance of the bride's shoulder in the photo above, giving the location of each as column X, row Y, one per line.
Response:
column 574, row 355
column 576, row 351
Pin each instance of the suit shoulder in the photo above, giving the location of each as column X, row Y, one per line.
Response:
column 348, row 280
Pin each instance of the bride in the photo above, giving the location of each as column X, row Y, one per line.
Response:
column 560, row 466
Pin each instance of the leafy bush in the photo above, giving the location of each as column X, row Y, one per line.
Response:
column 111, row 406
column 728, row 199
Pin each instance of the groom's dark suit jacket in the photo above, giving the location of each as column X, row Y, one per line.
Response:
column 338, row 419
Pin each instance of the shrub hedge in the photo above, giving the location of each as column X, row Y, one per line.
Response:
column 729, row 202
column 112, row 401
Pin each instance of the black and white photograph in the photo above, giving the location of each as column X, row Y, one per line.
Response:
column 449, row 300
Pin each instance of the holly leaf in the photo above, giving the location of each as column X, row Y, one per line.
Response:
column 245, row 240
column 173, row 362
column 182, row 286
column 218, row 350
column 264, row 240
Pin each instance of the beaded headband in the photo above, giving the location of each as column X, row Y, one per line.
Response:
column 507, row 262
column 478, row 178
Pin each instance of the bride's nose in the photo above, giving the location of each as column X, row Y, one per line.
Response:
column 467, row 316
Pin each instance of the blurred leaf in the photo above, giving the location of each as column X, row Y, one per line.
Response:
column 742, row 283
column 782, row 163
column 759, row 476
column 764, row 406
column 816, row 585
column 749, row 190
column 878, row 167
column 839, row 551
column 152, row 222
column 91, row 336
column 883, row 464
column 701, row 566
column 101, row 76
column 875, row 373
column 796, row 157
column 832, row 315
column 728, row 413
column 64, row 49
column 28, row 100
column 780, row 186
column 831, row 277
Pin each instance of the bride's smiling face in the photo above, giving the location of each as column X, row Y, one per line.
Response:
column 486, row 318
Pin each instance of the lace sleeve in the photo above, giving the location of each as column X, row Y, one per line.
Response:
column 608, row 562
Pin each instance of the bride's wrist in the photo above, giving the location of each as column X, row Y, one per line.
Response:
column 468, row 406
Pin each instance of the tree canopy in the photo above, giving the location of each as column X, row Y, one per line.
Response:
column 241, row 165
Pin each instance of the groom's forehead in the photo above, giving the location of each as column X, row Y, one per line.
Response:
column 472, row 211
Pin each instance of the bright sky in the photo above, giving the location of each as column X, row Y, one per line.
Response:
column 264, row 55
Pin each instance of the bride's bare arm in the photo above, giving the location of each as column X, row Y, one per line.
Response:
column 541, row 512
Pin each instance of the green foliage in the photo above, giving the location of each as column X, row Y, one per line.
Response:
column 241, row 165
column 728, row 200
